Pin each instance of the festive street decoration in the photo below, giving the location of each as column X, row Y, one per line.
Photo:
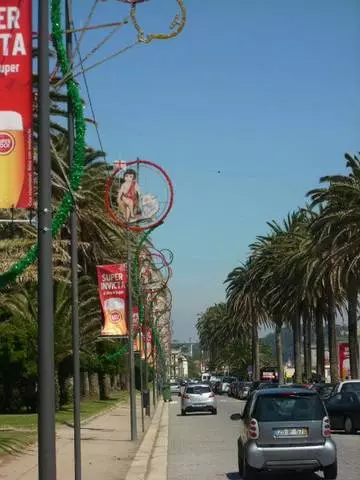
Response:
column 176, row 26
column 139, row 195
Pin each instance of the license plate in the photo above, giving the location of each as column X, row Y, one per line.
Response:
column 290, row 432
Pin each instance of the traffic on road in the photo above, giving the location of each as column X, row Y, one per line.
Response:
column 264, row 430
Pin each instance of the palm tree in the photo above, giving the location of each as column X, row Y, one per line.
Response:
column 246, row 310
column 338, row 233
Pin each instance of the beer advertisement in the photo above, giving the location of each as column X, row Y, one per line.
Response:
column 112, row 284
column 16, row 165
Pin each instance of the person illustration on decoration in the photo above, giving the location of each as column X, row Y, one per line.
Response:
column 128, row 198
column 134, row 206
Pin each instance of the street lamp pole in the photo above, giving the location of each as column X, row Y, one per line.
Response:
column 74, row 266
column 133, row 422
column 46, row 369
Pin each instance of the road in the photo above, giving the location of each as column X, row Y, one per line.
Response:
column 203, row 446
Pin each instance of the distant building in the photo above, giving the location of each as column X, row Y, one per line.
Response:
column 179, row 367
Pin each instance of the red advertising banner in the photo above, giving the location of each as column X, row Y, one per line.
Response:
column 344, row 355
column 112, row 284
column 16, row 165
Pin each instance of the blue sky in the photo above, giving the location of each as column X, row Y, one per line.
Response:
column 266, row 91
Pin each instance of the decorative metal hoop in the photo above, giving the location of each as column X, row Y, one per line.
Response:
column 124, row 224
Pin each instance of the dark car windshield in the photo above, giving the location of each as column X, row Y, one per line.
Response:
column 351, row 387
column 198, row 389
column 288, row 407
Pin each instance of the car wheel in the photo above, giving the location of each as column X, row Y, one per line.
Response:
column 214, row 412
column 183, row 413
column 330, row 472
column 248, row 472
column 348, row 425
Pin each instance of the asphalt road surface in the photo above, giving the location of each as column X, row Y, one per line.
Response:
column 203, row 446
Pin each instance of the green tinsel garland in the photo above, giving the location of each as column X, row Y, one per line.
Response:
column 77, row 168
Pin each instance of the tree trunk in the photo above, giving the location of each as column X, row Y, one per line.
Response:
column 307, row 346
column 255, row 351
column 305, row 341
column 93, row 385
column 320, row 342
column 352, row 297
column 84, row 384
column 333, row 353
column 103, row 386
column 279, row 351
column 297, row 347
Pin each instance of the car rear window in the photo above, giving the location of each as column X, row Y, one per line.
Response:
column 288, row 408
column 198, row 390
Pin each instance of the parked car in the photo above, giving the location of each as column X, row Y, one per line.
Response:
column 174, row 387
column 347, row 386
column 344, row 411
column 198, row 398
column 245, row 390
column 285, row 430
column 225, row 384
column 217, row 387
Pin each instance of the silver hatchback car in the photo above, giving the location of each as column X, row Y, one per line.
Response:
column 285, row 430
column 198, row 398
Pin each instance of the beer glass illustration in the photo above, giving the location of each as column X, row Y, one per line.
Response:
column 115, row 321
column 12, row 163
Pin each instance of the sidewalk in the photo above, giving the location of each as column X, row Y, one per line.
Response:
column 106, row 448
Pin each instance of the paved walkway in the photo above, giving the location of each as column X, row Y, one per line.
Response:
column 107, row 450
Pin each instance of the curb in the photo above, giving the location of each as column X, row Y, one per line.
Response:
column 158, row 466
column 139, row 465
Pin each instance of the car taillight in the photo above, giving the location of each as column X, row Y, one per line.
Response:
column 186, row 397
column 253, row 429
column 326, row 431
column 212, row 394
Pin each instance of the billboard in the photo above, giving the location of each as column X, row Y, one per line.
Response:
column 16, row 164
column 112, row 285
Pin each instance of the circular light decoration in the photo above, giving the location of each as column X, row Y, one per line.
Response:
column 139, row 195
column 154, row 278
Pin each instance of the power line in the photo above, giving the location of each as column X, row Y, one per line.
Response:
column 88, row 93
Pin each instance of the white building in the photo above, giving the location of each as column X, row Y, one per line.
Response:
column 179, row 367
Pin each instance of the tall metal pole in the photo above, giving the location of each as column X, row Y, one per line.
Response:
column 141, row 390
column 154, row 371
column 46, row 369
column 133, row 420
column 74, row 267
column 146, row 315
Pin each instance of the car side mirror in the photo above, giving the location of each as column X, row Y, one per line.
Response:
column 236, row 416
